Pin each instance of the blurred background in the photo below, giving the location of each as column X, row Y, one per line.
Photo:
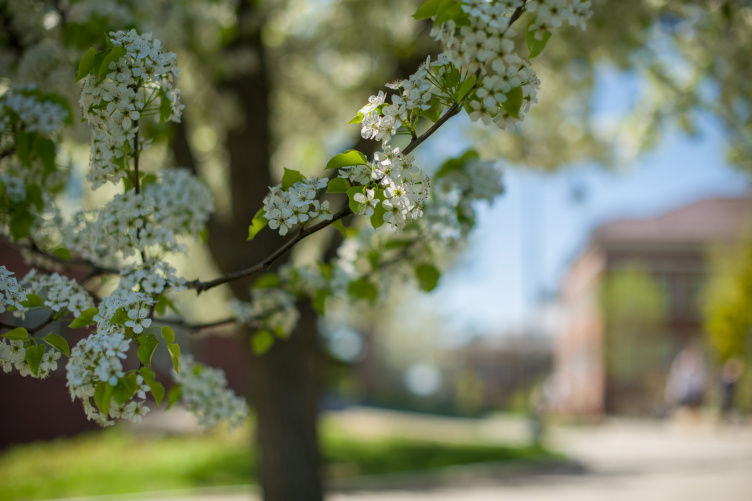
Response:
column 593, row 332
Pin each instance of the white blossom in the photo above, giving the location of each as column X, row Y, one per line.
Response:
column 204, row 392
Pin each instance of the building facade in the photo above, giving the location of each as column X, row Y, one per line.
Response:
column 632, row 300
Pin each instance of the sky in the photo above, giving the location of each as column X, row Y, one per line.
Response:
column 524, row 242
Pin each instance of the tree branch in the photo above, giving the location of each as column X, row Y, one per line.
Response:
column 266, row 263
column 32, row 330
column 67, row 264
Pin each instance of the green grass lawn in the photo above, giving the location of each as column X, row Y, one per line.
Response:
column 115, row 461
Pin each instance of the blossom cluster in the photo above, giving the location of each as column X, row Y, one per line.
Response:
column 13, row 354
column 270, row 308
column 135, row 305
column 34, row 113
column 381, row 120
column 204, row 392
column 451, row 213
column 152, row 219
column 285, row 209
column 302, row 279
column 26, row 110
column 139, row 80
column 151, row 278
column 550, row 14
column 98, row 360
column 402, row 186
column 58, row 292
column 11, row 292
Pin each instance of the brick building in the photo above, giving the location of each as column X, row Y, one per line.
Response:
column 632, row 301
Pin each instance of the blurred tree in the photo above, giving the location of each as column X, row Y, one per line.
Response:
column 728, row 302
column 634, row 309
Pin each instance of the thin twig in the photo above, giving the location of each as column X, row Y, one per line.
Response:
column 32, row 330
column 65, row 263
column 266, row 263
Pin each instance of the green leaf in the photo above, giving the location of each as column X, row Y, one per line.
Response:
column 347, row 159
column 58, row 342
column 147, row 345
column 428, row 9
column 456, row 164
column 119, row 318
column 340, row 227
column 103, row 398
column 45, row 150
column 18, row 333
column 363, row 289
column 62, row 253
column 338, row 185
column 262, row 341
column 398, row 243
column 168, row 334
column 34, row 356
column 355, row 206
column 86, row 64
column 319, row 300
column 34, row 196
column 156, row 388
column 377, row 218
column 291, row 177
column 428, row 276
column 204, row 235
column 32, row 301
column 174, row 395
column 357, row 119
column 449, row 9
column 115, row 54
column 534, row 45
column 258, row 224
column 63, row 102
column 465, row 87
column 24, row 146
column 125, row 388
column 20, row 224
column 514, row 102
column 164, row 302
column 148, row 179
column 434, row 112
column 165, row 107
column 85, row 318
column 174, row 350
column 267, row 281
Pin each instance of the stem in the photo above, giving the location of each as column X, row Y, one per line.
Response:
column 136, row 181
column 65, row 263
column 32, row 330
column 266, row 263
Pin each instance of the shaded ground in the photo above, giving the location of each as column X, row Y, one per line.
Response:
column 619, row 461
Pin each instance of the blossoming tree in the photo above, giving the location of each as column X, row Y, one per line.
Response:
column 401, row 215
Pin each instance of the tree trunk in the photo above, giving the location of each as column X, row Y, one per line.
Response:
column 286, row 381
column 286, row 386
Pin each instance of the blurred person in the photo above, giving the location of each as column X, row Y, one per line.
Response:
column 730, row 375
column 687, row 381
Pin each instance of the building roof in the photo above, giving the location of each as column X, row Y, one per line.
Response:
column 705, row 221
